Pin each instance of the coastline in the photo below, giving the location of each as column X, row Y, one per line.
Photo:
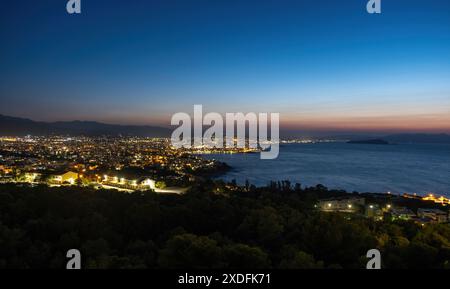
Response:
column 355, row 167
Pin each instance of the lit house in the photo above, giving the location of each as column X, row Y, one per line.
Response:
column 435, row 215
column 147, row 183
column 402, row 213
column 143, row 183
column 66, row 178
column 344, row 205
column 374, row 211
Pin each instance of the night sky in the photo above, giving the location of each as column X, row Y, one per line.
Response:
column 322, row 64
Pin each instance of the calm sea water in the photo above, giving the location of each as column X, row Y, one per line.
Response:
column 411, row 168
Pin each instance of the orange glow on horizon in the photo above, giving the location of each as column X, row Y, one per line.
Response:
column 416, row 123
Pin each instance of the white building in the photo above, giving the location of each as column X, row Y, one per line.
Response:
column 434, row 214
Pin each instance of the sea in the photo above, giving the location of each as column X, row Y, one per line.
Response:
column 395, row 168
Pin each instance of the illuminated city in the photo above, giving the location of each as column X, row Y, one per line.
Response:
column 117, row 162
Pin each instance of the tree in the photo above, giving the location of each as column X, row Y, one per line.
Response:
column 160, row 184
column 191, row 251
column 264, row 225
column 244, row 256
column 300, row 260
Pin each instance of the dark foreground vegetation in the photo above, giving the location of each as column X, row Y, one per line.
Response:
column 212, row 226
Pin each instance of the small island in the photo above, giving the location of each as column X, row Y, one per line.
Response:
column 369, row 141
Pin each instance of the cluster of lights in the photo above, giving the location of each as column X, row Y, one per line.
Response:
column 440, row 200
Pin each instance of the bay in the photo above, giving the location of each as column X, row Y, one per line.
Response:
column 399, row 168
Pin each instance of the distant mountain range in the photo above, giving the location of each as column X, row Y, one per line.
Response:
column 14, row 126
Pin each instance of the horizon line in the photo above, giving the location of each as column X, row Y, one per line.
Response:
column 306, row 131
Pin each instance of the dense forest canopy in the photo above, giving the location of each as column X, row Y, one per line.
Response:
column 211, row 226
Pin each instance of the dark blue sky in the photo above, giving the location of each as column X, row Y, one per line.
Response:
column 323, row 64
